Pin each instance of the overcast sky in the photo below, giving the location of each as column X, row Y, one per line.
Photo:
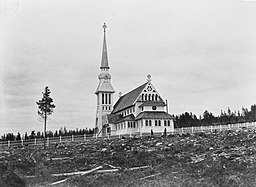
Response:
column 201, row 55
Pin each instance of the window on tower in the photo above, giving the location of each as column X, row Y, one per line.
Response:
column 106, row 98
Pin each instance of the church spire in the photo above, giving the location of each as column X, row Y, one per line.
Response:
column 104, row 60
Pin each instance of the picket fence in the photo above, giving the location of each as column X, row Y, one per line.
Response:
column 86, row 137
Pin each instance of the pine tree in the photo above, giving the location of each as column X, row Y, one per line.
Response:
column 45, row 108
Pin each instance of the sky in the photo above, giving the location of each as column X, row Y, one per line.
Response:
column 201, row 55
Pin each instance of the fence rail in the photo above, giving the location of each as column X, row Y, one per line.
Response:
column 85, row 137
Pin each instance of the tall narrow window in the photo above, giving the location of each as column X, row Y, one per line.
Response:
column 153, row 97
column 106, row 98
column 109, row 99
column 164, row 122
column 146, row 97
column 150, row 123
column 146, row 122
column 103, row 98
column 169, row 123
column 156, row 98
column 149, row 97
column 155, row 122
column 159, row 122
column 142, row 97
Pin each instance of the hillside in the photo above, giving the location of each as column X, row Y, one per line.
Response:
column 226, row 158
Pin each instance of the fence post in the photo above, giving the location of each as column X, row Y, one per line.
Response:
column 140, row 134
column 119, row 136
column 60, row 139
column 48, row 141
column 108, row 136
column 35, row 141
column 9, row 143
column 22, row 143
column 247, row 125
column 84, row 137
column 72, row 138
column 220, row 127
column 130, row 134
column 229, row 126
column 201, row 129
column 181, row 130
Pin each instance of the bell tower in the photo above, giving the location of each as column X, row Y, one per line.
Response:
column 104, row 92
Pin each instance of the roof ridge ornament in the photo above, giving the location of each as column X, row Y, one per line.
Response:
column 149, row 78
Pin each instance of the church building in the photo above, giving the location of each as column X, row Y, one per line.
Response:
column 141, row 110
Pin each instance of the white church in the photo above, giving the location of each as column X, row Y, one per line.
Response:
column 141, row 110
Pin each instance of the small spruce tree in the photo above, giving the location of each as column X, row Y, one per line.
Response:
column 45, row 108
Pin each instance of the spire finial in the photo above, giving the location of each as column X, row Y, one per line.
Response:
column 104, row 27
column 148, row 77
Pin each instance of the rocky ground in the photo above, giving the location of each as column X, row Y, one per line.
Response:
column 225, row 158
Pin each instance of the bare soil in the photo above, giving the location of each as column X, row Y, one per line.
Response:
column 226, row 158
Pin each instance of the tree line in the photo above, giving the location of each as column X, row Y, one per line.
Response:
column 57, row 133
column 226, row 117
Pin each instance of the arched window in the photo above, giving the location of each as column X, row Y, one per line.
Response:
column 146, row 122
column 129, row 124
column 124, row 125
column 109, row 99
column 156, row 98
column 159, row 122
column 146, row 97
column 155, row 122
column 149, row 97
column 153, row 97
column 142, row 97
column 150, row 124
column 164, row 122
column 103, row 98
column 169, row 123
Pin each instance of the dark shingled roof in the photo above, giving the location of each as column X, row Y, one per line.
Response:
column 116, row 118
column 153, row 103
column 128, row 99
column 154, row 115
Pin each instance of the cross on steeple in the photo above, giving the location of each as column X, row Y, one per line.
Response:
column 104, row 27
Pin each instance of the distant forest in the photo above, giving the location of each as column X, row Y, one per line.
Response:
column 226, row 117
column 33, row 134
column 183, row 120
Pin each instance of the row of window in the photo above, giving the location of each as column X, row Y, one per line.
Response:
column 106, row 107
column 158, row 123
column 130, row 124
column 106, row 98
column 149, row 97
column 128, row 111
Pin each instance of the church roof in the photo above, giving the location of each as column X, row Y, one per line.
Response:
column 116, row 118
column 128, row 99
column 153, row 115
column 153, row 103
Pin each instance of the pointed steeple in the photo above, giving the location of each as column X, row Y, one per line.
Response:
column 104, row 60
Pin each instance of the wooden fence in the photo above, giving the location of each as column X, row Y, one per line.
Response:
column 76, row 138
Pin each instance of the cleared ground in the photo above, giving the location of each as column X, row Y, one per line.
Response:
column 226, row 158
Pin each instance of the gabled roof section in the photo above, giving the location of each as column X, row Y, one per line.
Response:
column 153, row 103
column 154, row 115
column 128, row 99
